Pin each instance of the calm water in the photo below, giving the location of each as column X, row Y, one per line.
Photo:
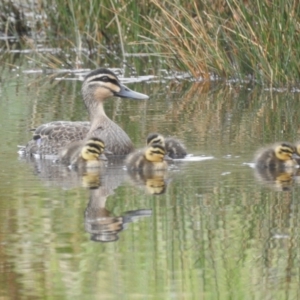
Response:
column 206, row 229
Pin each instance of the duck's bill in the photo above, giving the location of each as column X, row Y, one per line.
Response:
column 125, row 92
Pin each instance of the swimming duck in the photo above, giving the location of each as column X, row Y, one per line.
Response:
column 87, row 150
column 278, row 156
column 174, row 148
column 98, row 85
column 152, row 158
column 84, row 155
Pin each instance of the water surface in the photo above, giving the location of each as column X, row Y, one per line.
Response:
column 207, row 229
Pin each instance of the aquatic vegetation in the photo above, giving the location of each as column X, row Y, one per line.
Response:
column 230, row 38
column 256, row 41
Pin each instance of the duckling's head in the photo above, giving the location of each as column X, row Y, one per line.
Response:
column 155, row 153
column 155, row 138
column 285, row 151
column 103, row 83
column 93, row 150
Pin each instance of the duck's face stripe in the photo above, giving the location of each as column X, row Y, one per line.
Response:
column 105, row 80
column 155, row 153
column 98, row 146
column 92, row 150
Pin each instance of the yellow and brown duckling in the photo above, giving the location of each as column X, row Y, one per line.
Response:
column 48, row 139
column 84, row 155
column 277, row 157
column 174, row 148
column 149, row 159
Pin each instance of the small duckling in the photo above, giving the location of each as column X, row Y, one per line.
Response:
column 152, row 158
column 81, row 155
column 174, row 148
column 279, row 156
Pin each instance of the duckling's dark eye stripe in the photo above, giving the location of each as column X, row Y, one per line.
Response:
column 287, row 150
column 158, row 140
column 96, row 146
column 93, row 151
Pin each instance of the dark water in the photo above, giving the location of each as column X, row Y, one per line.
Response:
column 207, row 229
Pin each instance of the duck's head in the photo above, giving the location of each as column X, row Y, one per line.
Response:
column 93, row 150
column 155, row 138
column 156, row 153
column 103, row 83
column 285, row 152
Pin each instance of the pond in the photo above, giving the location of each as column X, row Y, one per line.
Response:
column 209, row 228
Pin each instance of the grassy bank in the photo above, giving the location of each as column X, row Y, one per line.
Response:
column 256, row 40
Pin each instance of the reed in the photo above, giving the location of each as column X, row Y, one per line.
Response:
column 246, row 40
column 240, row 39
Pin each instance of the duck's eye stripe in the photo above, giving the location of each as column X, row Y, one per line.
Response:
column 156, row 140
column 105, row 79
column 286, row 150
column 93, row 151
column 95, row 146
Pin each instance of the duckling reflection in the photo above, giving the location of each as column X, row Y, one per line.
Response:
column 154, row 183
column 60, row 175
column 276, row 179
column 174, row 148
column 280, row 156
column 101, row 223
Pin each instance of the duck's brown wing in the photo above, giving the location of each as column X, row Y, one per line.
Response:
column 49, row 138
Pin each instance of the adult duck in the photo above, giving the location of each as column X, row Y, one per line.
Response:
column 99, row 85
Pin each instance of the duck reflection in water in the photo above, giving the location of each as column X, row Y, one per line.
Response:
column 276, row 179
column 275, row 165
column 154, row 183
column 101, row 223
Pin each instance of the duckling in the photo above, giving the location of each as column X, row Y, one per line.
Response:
column 174, row 148
column 279, row 156
column 152, row 158
column 48, row 139
column 84, row 155
column 73, row 150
